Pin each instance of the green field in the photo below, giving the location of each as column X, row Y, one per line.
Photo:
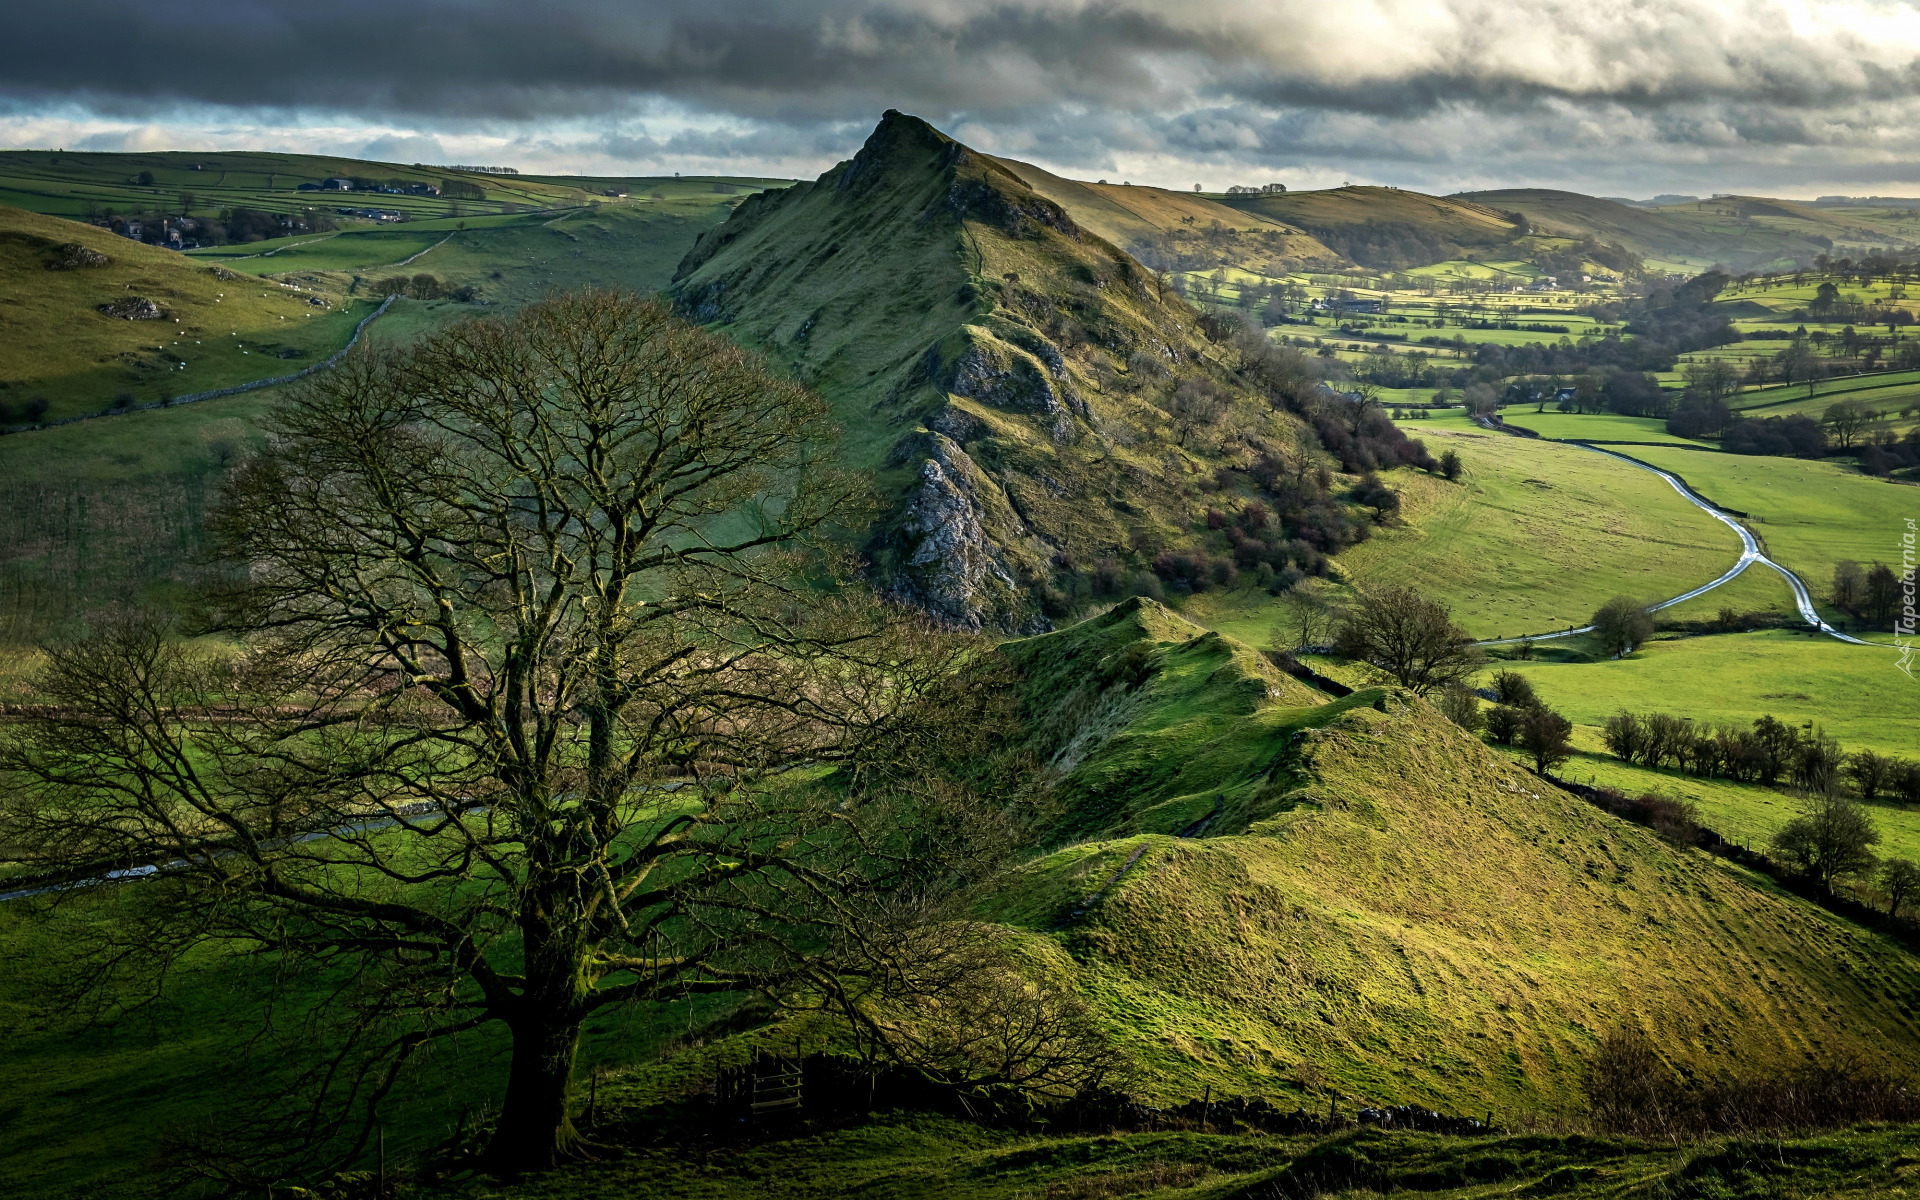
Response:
column 108, row 510
column 1594, row 427
column 1534, row 538
column 1744, row 813
column 1855, row 692
column 1808, row 515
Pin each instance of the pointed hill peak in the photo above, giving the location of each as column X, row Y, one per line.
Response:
column 1043, row 407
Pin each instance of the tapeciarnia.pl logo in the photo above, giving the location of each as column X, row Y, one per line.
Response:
column 1904, row 623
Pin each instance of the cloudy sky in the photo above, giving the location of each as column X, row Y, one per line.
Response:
column 1615, row 97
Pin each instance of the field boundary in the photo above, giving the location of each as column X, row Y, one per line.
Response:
column 218, row 393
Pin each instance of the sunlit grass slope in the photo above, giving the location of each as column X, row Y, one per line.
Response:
column 1535, row 536
column 1464, row 222
column 510, row 259
column 1141, row 218
column 1809, row 514
column 214, row 331
column 1855, row 692
column 1378, row 894
column 906, row 1158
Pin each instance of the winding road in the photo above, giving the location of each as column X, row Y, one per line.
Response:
column 1749, row 555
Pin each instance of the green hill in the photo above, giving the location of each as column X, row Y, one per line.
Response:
column 108, row 510
column 1391, row 229
column 1743, row 232
column 1179, row 231
column 1016, row 379
column 1251, row 882
column 88, row 316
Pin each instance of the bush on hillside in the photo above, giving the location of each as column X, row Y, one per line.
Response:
column 1544, row 735
column 1410, row 637
column 1831, row 841
column 1459, row 704
column 1783, row 437
column 1631, row 1090
column 1504, row 723
column 1513, row 688
column 1675, row 821
column 1621, row 626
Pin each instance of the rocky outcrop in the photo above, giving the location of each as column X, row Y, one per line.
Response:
column 984, row 368
column 134, row 308
column 955, row 565
column 72, row 256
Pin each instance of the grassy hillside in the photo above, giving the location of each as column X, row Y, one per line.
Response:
column 80, row 185
column 1363, row 887
column 1391, row 228
column 1742, row 232
column 1181, row 231
column 213, row 328
column 1259, row 893
column 1533, row 537
column 1855, row 692
column 109, row 510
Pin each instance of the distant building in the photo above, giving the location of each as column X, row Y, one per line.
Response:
column 1564, row 396
column 337, row 185
column 616, row 193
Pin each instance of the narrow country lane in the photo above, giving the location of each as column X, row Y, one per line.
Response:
column 1749, row 555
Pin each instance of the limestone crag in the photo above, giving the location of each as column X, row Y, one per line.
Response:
column 955, row 566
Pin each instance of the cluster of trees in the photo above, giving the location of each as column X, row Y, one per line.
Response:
column 1516, row 717
column 1872, row 595
column 1768, row 753
column 1783, row 437
column 424, row 287
column 1258, row 543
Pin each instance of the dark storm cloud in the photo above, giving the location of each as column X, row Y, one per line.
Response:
column 1076, row 82
column 838, row 59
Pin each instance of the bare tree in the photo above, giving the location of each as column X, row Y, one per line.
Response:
column 1900, row 880
column 1461, row 705
column 535, row 621
column 1621, row 625
column 1544, row 736
column 1849, row 585
column 1831, row 841
column 1409, row 637
column 1847, row 420
column 1305, row 619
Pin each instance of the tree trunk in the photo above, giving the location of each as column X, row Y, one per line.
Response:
column 535, row 1131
